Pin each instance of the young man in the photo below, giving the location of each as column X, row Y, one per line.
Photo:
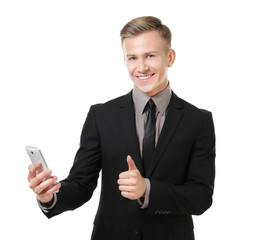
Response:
column 155, row 150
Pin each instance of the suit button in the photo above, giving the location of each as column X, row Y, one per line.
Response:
column 136, row 231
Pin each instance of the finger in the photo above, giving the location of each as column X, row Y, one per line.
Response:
column 33, row 170
column 131, row 163
column 34, row 182
column 128, row 195
column 128, row 174
column 127, row 182
column 47, row 195
column 54, row 189
column 127, row 188
column 44, row 185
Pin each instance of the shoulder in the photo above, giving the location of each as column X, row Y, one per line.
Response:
column 113, row 104
column 189, row 108
column 192, row 115
column 194, row 119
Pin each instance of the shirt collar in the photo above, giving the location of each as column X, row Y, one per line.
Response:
column 161, row 100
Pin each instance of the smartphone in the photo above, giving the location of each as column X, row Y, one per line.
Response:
column 35, row 155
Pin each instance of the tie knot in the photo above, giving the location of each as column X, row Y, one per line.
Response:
column 151, row 103
column 150, row 106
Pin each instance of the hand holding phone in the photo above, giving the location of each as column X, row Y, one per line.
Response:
column 41, row 182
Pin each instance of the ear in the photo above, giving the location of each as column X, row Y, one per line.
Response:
column 171, row 57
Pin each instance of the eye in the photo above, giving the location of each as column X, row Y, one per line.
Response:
column 131, row 58
column 150, row 56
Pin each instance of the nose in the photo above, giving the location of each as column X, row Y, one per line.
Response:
column 143, row 67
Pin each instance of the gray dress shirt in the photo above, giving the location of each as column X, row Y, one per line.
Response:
column 140, row 100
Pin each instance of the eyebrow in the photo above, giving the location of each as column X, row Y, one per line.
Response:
column 147, row 53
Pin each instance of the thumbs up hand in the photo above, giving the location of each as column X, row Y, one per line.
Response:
column 131, row 184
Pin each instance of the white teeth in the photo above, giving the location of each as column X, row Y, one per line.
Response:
column 145, row 77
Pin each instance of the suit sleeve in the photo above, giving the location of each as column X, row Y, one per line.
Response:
column 78, row 187
column 194, row 196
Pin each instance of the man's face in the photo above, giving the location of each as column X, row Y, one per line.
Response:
column 147, row 58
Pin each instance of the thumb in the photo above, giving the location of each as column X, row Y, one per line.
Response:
column 131, row 163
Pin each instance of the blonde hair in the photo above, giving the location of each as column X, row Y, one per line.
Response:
column 144, row 24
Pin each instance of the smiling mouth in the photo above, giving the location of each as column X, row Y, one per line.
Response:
column 145, row 77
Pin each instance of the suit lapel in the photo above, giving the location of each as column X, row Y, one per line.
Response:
column 128, row 126
column 173, row 117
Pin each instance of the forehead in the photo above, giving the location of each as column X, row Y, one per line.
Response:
column 143, row 43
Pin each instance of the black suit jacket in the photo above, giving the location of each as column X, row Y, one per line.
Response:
column 181, row 172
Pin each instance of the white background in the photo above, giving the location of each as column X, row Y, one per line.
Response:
column 59, row 57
